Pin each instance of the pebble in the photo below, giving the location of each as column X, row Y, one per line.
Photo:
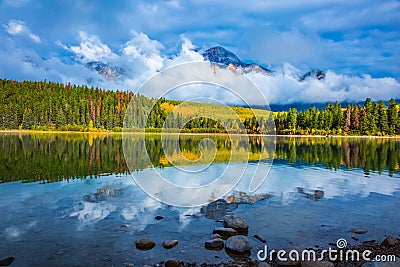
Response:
column 172, row 263
column 214, row 244
column 390, row 241
column 317, row 264
column 168, row 244
column 6, row 261
column 288, row 261
column 238, row 244
column 144, row 244
column 225, row 232
column 259, row 238
column 382, row 264
column 236, row 222
column 357, row 231
column 216, row 236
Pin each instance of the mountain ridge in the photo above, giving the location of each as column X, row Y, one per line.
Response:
column 216, row 55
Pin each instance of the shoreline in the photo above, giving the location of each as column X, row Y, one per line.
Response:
column 17, row 131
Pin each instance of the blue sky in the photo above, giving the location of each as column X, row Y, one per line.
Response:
column 358, row 41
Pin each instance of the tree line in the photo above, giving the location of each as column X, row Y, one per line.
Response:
column 373, row 118
column 43, row 105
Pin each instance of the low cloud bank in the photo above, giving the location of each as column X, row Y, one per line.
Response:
column 141, row 57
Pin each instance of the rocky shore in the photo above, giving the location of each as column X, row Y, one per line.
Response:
column 232, row 237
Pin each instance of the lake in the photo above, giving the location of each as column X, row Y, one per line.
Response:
column 70, row 200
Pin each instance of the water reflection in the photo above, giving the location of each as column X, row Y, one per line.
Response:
column 314, row 195
column 217, row 209
column 368, row 154
column 285, row 183
column 54, row 157
column 105, row 215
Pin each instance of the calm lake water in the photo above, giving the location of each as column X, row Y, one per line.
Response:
column 69, row 200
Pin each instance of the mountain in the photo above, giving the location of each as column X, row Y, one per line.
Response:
column 315, row 73
column 217, row 55
column 222, row 56
column 225, row 57
column 104, row 69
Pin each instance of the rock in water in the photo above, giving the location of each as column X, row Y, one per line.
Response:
column 259, row 238
column 172, row 263
column 390, row 241
column 144, row 244
column 159, row 217
column 215, row 236
column 225, row 232
column 317, row 264
column 7, row 261
column 170, row 243
column 382, row 264
column 357, row 231
column 236, row 222
column 238, row 244
column 291, row 257
column 214, row 244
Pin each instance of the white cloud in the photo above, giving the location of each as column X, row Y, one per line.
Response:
column 141, row 47
column 285, row 88
column 92, row 212
column 90, row 48
column 187, row 50
column 142, row 57
column 18, row 27
column 21, row 64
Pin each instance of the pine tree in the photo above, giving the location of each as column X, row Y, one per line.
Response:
column 393, row 117
column 383, row 118
column 28, row 120
column 292, row 119
column 369, row 119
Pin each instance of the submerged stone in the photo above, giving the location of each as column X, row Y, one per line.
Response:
column 170, row 243
column 238, row 244
column 214, row 244
column 144, row 244
column 225, row 232
column 236, row 222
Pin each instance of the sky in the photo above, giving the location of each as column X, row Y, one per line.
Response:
column 356, row 42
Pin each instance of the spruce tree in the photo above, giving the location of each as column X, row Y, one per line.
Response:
column 393, row 117
column 383, row 118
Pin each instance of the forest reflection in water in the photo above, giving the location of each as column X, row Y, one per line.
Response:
column 51, row 157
